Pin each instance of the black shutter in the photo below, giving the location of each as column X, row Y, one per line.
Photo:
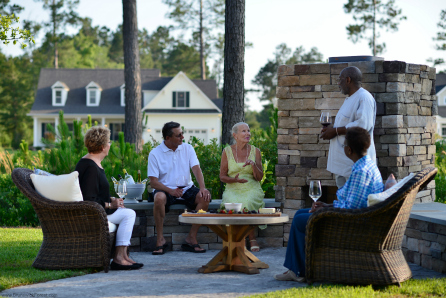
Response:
column 187, row 99
column 174, row 99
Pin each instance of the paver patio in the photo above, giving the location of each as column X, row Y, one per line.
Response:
column 174, row 274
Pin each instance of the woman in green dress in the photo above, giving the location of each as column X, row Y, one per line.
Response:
column 241, row 170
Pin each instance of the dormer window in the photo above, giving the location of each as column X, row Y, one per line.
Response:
column 92, row 97
column 93, row 94
column 180, row 99
column 123, row 95
column 59, row 93
column 58, row 99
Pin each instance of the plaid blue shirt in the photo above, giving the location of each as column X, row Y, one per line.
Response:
column 364, row 180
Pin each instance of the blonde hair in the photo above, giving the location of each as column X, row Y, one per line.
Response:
column 96, row 138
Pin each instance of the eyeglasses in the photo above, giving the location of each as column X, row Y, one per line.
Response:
column 340, row 79
column 180, row 135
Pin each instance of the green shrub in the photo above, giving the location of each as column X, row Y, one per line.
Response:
column 15, row 208
column 440, row 179
column 62, row 154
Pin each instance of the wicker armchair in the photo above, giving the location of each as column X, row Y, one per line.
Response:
column 363, row 246
column 75, row 234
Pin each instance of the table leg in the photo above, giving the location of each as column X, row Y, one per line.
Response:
column 234, row 256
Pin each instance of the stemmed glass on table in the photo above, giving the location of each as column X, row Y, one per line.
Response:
column 325, row 119
column 122, row 188
column 315, row 190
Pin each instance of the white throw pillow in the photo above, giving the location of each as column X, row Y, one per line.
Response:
column 382, row 196
column 62, row 188
column 111, row 227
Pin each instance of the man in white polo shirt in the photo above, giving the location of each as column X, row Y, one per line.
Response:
column 358, row 109
column 167, row 162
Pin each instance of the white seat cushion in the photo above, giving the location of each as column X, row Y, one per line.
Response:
column 111, row 227
column 62, row 188
column 382, row 196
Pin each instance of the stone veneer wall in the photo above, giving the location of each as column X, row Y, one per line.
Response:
column 404, row 128
column 425, row 244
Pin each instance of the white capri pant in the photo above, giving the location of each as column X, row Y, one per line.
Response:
column 125, row 218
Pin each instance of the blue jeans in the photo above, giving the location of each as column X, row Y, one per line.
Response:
column 295, row 252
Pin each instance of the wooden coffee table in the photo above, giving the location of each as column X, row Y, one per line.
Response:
column 233, row 230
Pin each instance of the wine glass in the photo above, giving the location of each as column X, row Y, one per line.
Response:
column 182, row 181
column 325, row 119
column 315, row 190
column 122, row 188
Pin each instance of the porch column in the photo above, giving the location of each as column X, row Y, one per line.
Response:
column 56, row 123
column 35, row 132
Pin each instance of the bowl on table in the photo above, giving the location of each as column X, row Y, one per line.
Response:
column 237, row 207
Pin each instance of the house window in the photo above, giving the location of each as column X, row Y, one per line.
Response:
column 443, row 131
column 181, row 102
column 46, row 133
column 115, row 128
column 180, row 99
column 58, row 99
column 92, row 96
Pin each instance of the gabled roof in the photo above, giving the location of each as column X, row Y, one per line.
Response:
column 60, row 84
column 440, row 82
column 192, row 83
column 110, row 81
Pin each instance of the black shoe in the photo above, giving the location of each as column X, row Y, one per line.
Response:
column 139, row 264
column 116, row 266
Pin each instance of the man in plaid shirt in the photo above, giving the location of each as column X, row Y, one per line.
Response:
column 364, row 180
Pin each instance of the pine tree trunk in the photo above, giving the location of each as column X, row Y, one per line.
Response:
column 202, row 62
column 374, row 25
column 56, row 54
column 234, row 67
column 132, row 76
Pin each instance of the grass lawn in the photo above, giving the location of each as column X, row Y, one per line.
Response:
column 19, row 247
column 411, row 288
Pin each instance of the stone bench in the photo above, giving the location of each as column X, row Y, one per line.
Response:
column 424, row 242
column 214, row 204
column 144, row 239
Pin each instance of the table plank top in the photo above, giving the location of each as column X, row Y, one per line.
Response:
column 254, row 220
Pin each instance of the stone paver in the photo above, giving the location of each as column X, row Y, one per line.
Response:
column 174, row 274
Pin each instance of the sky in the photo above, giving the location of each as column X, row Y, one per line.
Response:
column 268, row 23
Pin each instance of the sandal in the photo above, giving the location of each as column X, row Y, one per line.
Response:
column 162, row 248
column 253, row 248
column 191, row 248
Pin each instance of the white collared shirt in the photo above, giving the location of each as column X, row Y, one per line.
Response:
column 167, row 165
column 357, row 110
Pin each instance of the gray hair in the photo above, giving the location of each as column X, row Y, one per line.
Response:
column 235, row 127
column 354, row 74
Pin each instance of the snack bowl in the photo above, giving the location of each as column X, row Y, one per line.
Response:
column 237, row 207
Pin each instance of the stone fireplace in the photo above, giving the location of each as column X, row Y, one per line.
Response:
column 404, row 128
